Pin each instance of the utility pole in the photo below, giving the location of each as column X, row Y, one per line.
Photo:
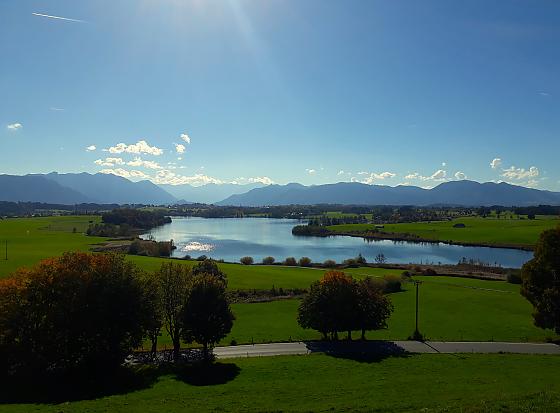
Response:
column 417, row 335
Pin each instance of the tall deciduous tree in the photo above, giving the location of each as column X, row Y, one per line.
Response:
column 541, row 280
column 206, row 316
column 209, row 267
column 174, row 279
column 154, row 308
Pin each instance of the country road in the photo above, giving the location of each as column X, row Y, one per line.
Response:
column 383, row 347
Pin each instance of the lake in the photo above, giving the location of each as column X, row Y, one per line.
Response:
column 232, row 238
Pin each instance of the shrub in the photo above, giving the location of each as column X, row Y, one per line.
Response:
column 246, row 260
column 392, row 283
column 202, row 258
column 291, row 261
column 360, row 259
column 304, row 262
column 268, row 260
column 329, row 264
column 350, row 262
column 151, row 248
column 429, row 271
column 514, row 277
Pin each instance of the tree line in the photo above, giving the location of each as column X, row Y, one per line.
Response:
column 85, row 312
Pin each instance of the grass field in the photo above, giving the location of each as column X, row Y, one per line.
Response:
column 32, row 239
column 453, row 309
column 487, row 231
column 423, row 383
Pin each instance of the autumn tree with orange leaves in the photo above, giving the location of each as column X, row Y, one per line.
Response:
column 77, row 312
column 337, row 303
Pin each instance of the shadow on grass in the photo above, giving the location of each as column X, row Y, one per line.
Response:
column 361, row 351
column 202, row 374
column 58, row 389
column 53, row 390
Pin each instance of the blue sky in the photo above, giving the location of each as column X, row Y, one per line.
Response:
column 384, row 92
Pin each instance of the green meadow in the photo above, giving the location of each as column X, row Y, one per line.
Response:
column 487, row 231
column 32, row 239
column 428, row 383
column 451, row 309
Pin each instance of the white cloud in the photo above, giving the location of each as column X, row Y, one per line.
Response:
column 180, row 148
column 125, row 173
column 438, row 175
column 311, row 171
column 496, row 163
column 520, row 173
column 146, row 164
column 373, row 176
column 91, row 148
column 15, row 126
column 444, row 164
column 167, row 177
column 186, row 138
column 49, row 16
column 460, row 175
column 139, row 147
column 55, row 109
column 261, row 179
column 341, row 172
column 109, row 162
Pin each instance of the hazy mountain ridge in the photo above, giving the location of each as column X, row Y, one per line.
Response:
column 467, row 193
column 110, row 189
column 81, row 188
column 209, row 193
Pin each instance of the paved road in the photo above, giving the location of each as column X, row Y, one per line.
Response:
column 383, row 348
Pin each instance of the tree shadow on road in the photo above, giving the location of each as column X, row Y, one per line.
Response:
column 361, row 351
column 206, row 374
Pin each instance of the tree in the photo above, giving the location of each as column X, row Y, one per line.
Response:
column 380, row 259
column 174, row 280
column 541, row 280
column 246, row 260
column 210, row 267
column 330, row 305
column 290, row 261
column 360, row 259
column 374, row 308
column 154, row 308
column 206, row 316
column 268, row 260
column 75, row 312
column 304, row 262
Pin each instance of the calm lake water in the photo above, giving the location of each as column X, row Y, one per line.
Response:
column 232, row 238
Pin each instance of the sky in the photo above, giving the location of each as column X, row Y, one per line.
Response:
column 277, row 91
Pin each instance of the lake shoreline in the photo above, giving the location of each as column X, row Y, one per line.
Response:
column 389, row 236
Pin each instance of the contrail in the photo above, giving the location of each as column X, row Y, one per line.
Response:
column 58, row 17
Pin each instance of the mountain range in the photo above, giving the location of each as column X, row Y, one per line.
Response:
column 99, row 188
column 466, row 193
column 77, row 188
